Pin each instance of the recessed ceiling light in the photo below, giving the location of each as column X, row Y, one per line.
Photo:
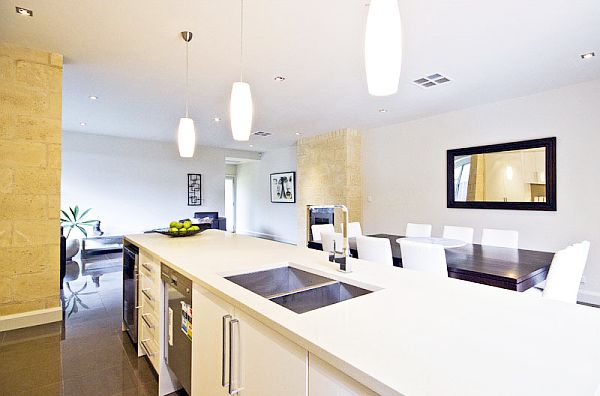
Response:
column 588, row 55
column 93, row 97
column 251, row 145
column 279, row 78
column 383, row 110
column 216, row 119
column 82, row 124
column 24, row 11
column 298, row 134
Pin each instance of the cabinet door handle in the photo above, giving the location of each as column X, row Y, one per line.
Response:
column 148, row 351
column 150, row 325
column 233, row 347
column 148, row 295
column 147, row 267
column 224, row 366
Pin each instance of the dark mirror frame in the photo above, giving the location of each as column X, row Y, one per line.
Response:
column 548, row 143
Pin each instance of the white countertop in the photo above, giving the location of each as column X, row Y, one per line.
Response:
column 419, row 335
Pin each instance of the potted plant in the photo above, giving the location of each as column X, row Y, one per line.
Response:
column 73, row 220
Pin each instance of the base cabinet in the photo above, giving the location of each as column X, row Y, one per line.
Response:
column 232, row 353
column 210, row 318
column 326, row 380
column 270, row 364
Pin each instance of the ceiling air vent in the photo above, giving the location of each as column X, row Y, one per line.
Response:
column 262, row 133
column 431, row 81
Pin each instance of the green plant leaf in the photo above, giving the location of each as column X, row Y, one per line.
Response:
column 66, row 215
column 88, row 222
column 83, row 231
column 84, row 213
column 73, row 213
column 76, row 212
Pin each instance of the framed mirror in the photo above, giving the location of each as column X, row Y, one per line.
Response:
column 518, row 175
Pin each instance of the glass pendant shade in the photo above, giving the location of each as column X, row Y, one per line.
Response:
column 186, row 137
column 383, row 47
column 241, row 111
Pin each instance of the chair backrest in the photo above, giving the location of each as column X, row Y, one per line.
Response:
column 327, row 239
column 354, row 229
column 418, row 230
column 424, row 257
column 318, row 229
column 464, row 234
column 500, row 238
column 566, row 270
column 378, row 250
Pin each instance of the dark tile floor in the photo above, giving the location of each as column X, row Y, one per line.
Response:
column 86, row 354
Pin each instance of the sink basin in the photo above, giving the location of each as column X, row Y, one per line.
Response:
column 319, row 297
column 278, row 281
column 297, row 290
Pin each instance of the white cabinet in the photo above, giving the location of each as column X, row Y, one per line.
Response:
column 211, row 317
column 269, row 364
column 326, row 380
column 230, row 346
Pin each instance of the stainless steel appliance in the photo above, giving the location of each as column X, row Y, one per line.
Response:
column 178, row 323
column 130, row 291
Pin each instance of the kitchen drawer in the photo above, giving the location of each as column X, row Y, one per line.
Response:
column 149, row 295
column 150, row 269
column 150, row 348
column 147, row 282
column 149, row 320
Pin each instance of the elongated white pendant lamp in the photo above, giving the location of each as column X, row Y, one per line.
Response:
column 240, row 107
column 383, row 47
column 186, row 133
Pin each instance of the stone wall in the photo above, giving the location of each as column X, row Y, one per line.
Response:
column 30, row 161
column 329, row 172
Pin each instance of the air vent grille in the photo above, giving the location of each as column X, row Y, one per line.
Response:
column 431, row 81
column 262, row 133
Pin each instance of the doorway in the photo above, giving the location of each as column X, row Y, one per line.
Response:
column 230, row 202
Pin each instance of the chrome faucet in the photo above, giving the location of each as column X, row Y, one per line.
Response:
column 341, row 259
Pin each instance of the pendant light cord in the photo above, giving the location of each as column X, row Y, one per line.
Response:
column 241, row 40
column 187, row 78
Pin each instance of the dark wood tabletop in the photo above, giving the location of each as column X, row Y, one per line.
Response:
column 514, row 269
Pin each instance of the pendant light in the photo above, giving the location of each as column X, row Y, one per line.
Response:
column 186, row 133
column 383, row 47
column 240, row 107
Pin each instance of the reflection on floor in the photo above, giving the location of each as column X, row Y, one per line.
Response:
column 86, row 354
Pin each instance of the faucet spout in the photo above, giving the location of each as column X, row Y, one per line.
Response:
column 341, row 260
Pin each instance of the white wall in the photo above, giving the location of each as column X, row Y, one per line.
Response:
column 404, row 170
column 135, row 185
column 256, row 215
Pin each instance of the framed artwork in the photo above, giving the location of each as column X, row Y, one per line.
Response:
column 194, row 189
column 283, row 187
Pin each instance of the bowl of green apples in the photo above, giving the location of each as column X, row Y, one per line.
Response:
column 180, row 229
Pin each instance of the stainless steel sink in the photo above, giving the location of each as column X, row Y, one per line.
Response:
column 278, row 281
column 319, row 297
column 297, row 290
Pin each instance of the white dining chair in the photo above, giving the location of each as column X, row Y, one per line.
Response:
column 378, row 250
column 418, row 230
column 354, row 229
column 566, row 271
column 318, row 229
column 464, row 234
column 426, row 257
column 328, row 238
column 500, row 238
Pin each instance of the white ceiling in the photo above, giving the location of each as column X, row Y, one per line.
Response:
column 130, row 54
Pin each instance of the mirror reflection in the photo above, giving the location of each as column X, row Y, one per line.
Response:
column 504, row 176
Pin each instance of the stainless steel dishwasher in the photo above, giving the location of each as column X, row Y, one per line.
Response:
column 178, row 323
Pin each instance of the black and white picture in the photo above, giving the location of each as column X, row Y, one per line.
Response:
column 194, row 189
column 283, row 187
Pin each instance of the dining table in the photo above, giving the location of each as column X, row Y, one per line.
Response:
column 507, row 268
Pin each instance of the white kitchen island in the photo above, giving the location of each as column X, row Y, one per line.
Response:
column 417, row 334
